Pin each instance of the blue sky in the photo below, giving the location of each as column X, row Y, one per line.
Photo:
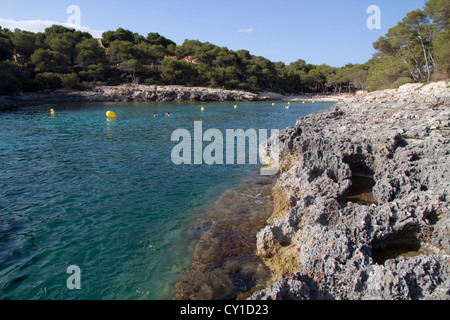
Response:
column 333, row 32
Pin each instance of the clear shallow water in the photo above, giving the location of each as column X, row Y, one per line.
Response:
column 77, row 189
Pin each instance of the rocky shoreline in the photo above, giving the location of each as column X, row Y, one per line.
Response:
column 361, row 207
column 144, row 93
column 135, row 93
column 362, row 204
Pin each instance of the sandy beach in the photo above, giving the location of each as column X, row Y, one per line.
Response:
column 307, row 97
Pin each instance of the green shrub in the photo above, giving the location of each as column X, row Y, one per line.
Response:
column 84, row 86
column 32, row 85
column 12, row 77
column 113, row 82
column 9, row 84
column 400, row 82
column 70, row 81
column 48, row 80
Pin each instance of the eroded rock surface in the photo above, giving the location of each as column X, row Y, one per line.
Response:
column 175, row 93
column 362, row 203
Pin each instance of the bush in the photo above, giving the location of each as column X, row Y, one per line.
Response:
column 48, row 80
column 93, row 73
column 113, row 82
column 83, row 86
column 32, row 85
column 12, row 77
column 400, row 82
column 9, row 84
column 150, row 82
column 70, row 81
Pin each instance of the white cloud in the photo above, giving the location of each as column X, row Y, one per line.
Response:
column 249, row 30
column 40, row 25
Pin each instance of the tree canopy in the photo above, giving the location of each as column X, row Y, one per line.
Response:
column 417, row 49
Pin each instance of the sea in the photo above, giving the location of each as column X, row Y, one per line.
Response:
column 93, row 208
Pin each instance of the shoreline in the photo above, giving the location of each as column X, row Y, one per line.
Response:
column 144, row 93
column 358, row 214
column 328, row 97
column 347, row 225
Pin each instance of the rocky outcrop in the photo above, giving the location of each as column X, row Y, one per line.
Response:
column 174, row 93
column 362, row 204
column 144, row 93
column 136, row 93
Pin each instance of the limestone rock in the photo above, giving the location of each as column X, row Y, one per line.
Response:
column 136, row 93
column 364, row 200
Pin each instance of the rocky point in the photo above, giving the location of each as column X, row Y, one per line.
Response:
column 362, row 202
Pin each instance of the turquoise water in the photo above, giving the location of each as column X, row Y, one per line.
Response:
column 78, row 189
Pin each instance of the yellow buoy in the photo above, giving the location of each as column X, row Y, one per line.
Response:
column 289, row 103
column 314, row 101
column 111, row 114
column 303, row 102
column 235, row 107
column 52, row 112
column 273, row 104
column 203, row 109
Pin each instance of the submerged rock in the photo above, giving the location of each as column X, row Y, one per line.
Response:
column 224, row 264
column 331, row 236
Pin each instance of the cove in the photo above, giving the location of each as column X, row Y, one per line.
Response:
column 103, row 194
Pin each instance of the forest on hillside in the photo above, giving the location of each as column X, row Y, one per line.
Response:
column 417, row 49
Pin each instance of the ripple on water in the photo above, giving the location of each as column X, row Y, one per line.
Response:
column 77, row 189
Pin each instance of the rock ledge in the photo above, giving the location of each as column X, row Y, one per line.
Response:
column 362, row 204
